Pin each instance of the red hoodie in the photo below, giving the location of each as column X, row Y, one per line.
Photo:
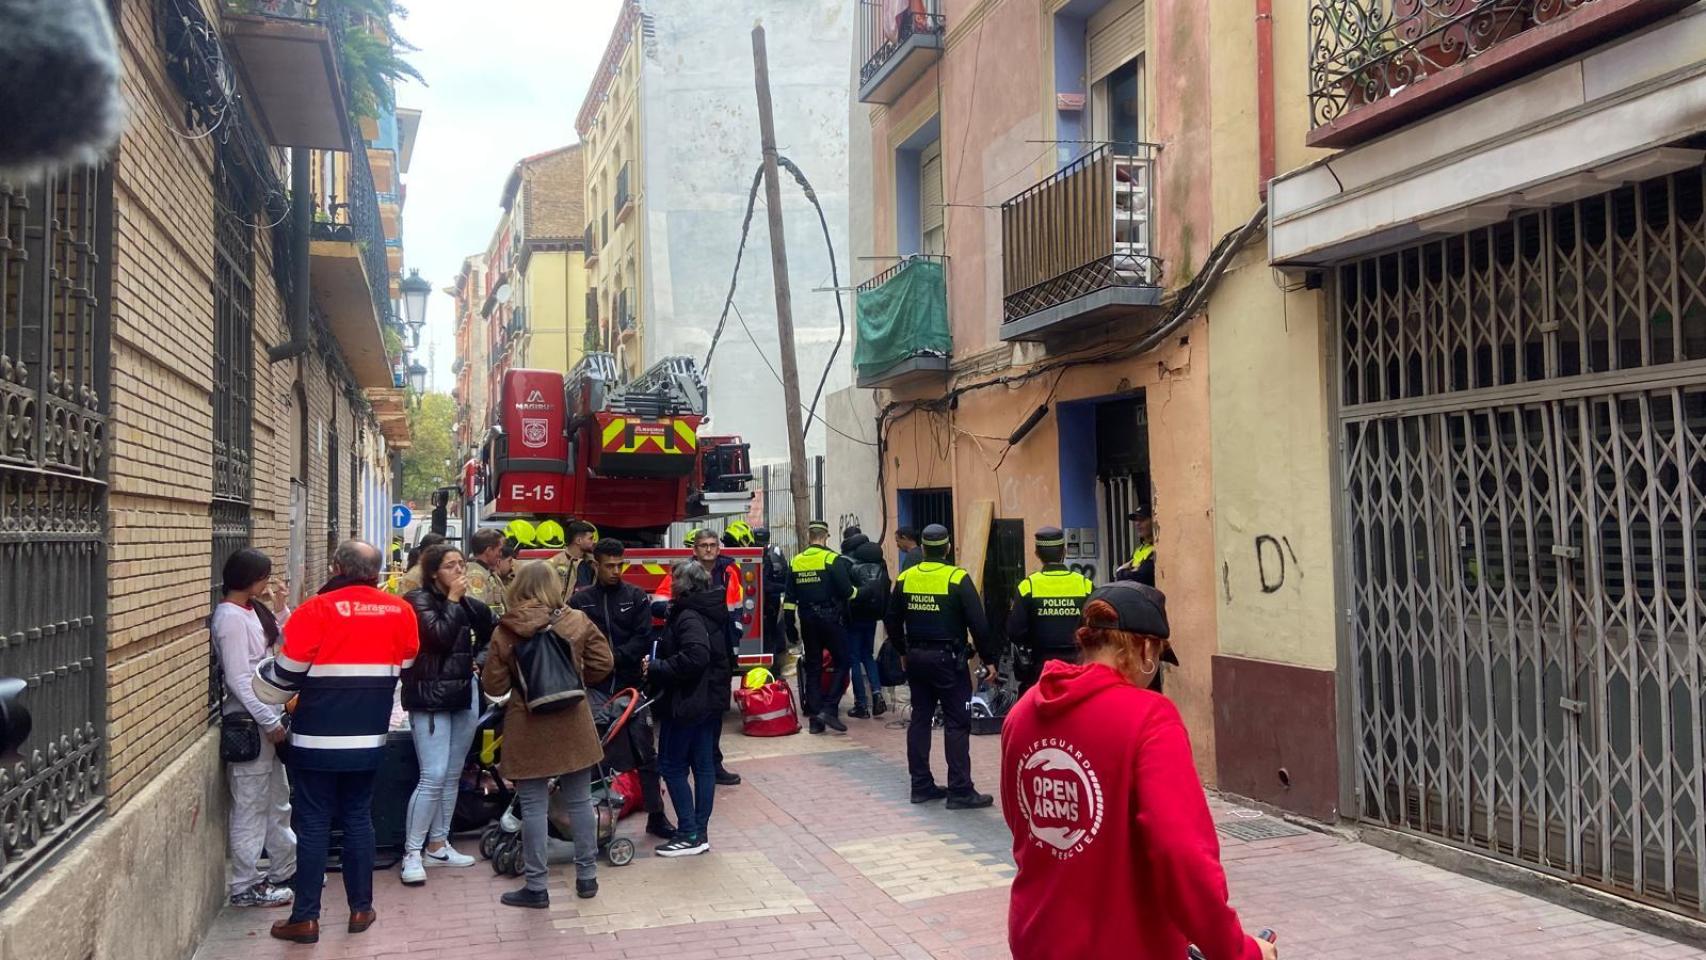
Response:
column 1116, row 848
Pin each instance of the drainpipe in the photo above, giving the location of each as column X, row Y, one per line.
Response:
column 301, row 219
column 1264, row 95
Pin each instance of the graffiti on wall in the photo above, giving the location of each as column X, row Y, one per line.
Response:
column 848, row 520
column 1271, row 556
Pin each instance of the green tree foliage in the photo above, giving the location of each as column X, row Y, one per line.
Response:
column 428, row 464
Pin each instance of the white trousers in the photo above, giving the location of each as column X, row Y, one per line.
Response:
column 260, row 819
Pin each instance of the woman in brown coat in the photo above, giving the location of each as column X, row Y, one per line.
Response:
column 538, row 747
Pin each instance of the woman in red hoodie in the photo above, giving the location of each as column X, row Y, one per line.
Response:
column 1111, row 830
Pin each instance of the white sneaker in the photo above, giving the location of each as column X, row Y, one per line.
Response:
column 446, row 856
column 262, row 894
column 414, row 874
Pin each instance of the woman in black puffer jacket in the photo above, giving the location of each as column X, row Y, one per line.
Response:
column 438, row 692
column 690, row 677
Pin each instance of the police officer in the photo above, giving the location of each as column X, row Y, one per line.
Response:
column 1043, row 624
column 1141, row 567
column 931, row 608
column 820, row 582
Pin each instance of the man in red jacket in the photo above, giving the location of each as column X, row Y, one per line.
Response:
column 1115, row 846
column 343, row 650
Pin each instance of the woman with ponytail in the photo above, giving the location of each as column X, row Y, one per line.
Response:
column 1112, row 835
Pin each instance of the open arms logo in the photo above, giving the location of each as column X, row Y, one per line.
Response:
column 1061, row 797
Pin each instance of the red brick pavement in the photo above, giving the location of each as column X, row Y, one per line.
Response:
column 1329, row 898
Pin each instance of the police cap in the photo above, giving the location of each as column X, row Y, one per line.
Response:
column 1138, row 607
column 1140, row 512
column 1050, row 537
column 818, row 526
column 935, row 535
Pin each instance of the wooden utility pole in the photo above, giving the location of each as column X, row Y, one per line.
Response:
column 784, row 296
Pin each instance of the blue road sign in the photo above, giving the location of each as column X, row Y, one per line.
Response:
column 400, row 517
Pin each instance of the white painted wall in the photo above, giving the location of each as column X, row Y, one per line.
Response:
column 701, row 146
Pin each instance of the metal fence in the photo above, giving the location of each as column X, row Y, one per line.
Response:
column 1526, row 598
column 54, row 338
column 772, row 506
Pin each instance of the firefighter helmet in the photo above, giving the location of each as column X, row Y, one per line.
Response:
column 692, row 536
column 741, row 531
column 551, row 535
column 522, row 533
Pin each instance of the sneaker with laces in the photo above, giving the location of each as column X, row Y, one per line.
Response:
column 413, row 871
column 684, row 847
column 446, row 856
column 262, row 894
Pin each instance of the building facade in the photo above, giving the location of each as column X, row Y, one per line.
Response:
column 1509, row 238
column 192, row 375
column 670, row 126
column 543, row 211
column 473, row 406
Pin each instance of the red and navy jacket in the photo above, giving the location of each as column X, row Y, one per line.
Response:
column 343, row 650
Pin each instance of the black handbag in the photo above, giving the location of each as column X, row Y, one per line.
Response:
column 889, row 670
column 239, row 738
column 545, row 670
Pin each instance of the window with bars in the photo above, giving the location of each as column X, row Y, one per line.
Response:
column 55, row 243
column 233, row 384
column 334, row 522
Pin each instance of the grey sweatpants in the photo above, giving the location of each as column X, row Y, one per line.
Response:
column 535, row 797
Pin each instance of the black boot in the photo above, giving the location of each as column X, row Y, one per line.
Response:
column 727, row 778
column 659, row 826
column 860, row 712
column 832, row 721
column 970, row 801
column 534, row 899
column 586, row 889
column 879, row 706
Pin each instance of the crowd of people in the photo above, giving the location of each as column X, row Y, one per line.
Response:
column 1098, row 785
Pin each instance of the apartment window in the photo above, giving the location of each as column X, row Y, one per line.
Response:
column 1098, row 75
column 1116, row 103
column 920, row 192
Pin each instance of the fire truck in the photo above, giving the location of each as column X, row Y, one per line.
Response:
column 629, row 458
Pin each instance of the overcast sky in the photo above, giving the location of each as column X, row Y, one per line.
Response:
column 505, row 79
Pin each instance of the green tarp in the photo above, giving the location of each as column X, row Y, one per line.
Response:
column 905, row 316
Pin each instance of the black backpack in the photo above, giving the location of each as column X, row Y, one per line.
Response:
column 869, row 604
column 545, row 671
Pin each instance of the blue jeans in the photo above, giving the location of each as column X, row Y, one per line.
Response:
column 684, row 747
column 862, row 659
column 321, row 797
column 442, row 739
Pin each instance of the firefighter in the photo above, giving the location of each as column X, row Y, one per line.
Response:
column 1141, row 567
column 931, row 609
column 777, row 636
column 820, row 582
column 1043, row 624
column 573, row 560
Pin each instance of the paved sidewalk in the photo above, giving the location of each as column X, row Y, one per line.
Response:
column 819, row 855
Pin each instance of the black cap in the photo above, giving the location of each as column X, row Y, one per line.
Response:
column 761, row 534
column 935, row 535
column 1050, row 537
column 1140, row 512
column 1141, row 609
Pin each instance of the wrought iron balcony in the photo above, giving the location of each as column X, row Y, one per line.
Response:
column 349, row 271
column 898, row 41
column 1078, row 248
column 624, row 200
column 590, row 243
column 902, row 320
column 1376, row 65
column 287, row 59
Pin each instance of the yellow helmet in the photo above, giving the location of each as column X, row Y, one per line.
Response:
column 741, row 531
column 551, row 535
column 522, row 533
column 758, row 677
column 692, row 535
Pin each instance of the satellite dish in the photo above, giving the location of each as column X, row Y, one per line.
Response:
column 502, row 293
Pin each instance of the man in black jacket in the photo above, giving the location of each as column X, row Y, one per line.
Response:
column 623, row 613
column 870, row 574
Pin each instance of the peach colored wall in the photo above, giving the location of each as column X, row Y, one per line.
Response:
column 954, row 449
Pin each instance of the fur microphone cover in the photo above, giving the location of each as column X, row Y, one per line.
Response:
column 59, row 102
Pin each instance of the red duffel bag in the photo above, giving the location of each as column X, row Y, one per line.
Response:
column 768, row 710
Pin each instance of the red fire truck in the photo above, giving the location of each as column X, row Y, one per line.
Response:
column 629, row 458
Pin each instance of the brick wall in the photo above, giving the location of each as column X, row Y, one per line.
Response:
column 161, row 474
column 554, row 195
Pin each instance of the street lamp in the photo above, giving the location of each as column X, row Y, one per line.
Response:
column 417, row 377
column 415, row 293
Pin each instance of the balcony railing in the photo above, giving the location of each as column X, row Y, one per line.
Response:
column 898, row 41
column 902, row 321
column 1078, row 246
column 623, row 199
column 354, row 218
column 590, row 242
column 1369, row 58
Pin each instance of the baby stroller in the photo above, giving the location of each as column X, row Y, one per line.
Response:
column 483, row 794
column 501, row 842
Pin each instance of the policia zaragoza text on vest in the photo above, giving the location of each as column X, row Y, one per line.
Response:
column 820, row 582
column 1043, row 625
column 932, row 608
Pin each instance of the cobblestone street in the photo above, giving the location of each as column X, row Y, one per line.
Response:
column 818, row 854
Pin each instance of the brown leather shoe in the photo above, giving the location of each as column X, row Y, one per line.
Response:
column 305, row 931
column 360, row 920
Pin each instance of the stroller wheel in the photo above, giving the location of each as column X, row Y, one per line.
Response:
column 620, row 853
column 507, row 862
column 489, row 841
